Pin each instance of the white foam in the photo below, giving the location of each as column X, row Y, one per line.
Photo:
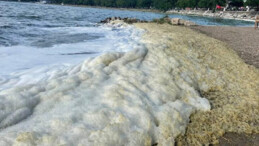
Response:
column 118, row 98
column 19, row 58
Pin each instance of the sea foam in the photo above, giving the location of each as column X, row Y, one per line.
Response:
column 66, row 45
column 117, row 98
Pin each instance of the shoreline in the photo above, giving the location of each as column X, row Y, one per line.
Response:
column 227, row 99
column 180, row 86
column 243, row 40
column 232, row 15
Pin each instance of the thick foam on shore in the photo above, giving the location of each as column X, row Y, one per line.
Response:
column 217, row 73
column 141, row 97
column 154, row 94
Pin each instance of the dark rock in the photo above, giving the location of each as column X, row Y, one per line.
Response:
column 126, row 20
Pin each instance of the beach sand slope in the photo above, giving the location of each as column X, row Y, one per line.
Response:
column 244, row 40
column 220, row 75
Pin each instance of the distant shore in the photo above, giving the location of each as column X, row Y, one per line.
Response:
column 236, row 15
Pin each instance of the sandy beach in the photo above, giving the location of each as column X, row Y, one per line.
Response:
column 232, row 92
column 244, row 40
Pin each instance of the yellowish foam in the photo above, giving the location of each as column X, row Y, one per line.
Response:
column 230, row 85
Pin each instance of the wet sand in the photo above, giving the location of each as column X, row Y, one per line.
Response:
column 244, row 40
column 234, row 139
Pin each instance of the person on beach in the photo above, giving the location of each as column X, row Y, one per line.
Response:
column 256, row 21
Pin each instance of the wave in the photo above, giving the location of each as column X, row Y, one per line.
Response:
column 61, row 45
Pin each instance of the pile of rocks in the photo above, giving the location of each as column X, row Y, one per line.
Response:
column 173, row 21
column 126, row 20
column 178, row 21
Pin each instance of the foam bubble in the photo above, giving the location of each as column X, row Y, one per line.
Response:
column 118, row 98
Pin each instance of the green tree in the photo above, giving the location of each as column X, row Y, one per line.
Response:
column 182, row 3
column 89, row 2
column 110, row 3
column 164, row 4
column 211, row 3
column 132, row 3
column 205, row 3
column 70, row 2
column 144, row 3
column 97, row 2
column 253, row 3
column 237, row 3
column 187, row 3
column 120, row 3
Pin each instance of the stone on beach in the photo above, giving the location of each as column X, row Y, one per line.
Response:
column 178, row 21
column 126, row 20
column 175, row 21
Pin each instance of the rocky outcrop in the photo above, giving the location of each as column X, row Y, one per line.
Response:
column 178, row 21
column 126, row 20
column 173, row 21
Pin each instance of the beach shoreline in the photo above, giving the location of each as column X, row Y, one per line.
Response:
column 233, row 15
column 243, row 40
column 219, row 125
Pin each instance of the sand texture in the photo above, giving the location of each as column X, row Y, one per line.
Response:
column 221, row 76
column 244, row 40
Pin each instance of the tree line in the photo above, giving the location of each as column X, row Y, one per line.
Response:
column 159, row 4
